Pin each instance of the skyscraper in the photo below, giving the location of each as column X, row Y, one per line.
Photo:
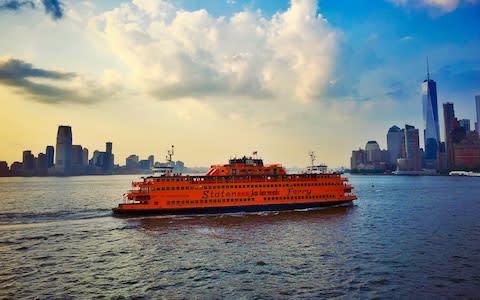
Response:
column 63, row 157
column 28, row 160
column 108, row 166
column 412, row 147
column 430, row 118
column 49, row 152
column 394, row 143
column 477, row 105
column 465, row 123
column 373, row 152
column 449, row 122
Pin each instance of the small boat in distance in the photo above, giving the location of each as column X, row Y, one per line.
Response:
column 464, row 173
column 243, row 185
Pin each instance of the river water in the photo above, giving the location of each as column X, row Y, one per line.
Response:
column 405, row 237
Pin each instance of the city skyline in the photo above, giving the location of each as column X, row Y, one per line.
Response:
column 219, row 79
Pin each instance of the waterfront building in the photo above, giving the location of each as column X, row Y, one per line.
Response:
column 449, row 122
column 4, row 171
column 77, row 156
column 373, row 152
column 132, row 161
column 50, row 156
column 358, row 158
column 395, row 137
column 151, row 160
column 412, row 149
column 370, row 160
column 430, row 119
column 144, row 164
column 28, row 161
column 477, row 106
column 467, row 152
column 85, row 157
column 98, row 159
column 16, row 168
column 465, row 123
column 41, row 166
column 63, row 157
column 108, row 164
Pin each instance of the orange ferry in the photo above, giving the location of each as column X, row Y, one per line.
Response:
column 243, row 185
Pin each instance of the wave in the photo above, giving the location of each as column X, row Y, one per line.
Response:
column 34, row 217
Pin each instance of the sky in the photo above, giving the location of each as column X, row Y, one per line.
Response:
column 219, row 79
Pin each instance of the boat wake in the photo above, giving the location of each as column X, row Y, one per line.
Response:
column 53, row 216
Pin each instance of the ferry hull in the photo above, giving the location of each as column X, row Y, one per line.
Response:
column 227, row 209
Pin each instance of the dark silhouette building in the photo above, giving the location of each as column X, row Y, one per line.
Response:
column 63, row 158
column 50, row 156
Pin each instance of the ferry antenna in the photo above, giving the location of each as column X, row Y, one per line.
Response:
column 312, row 157
column 170, row 154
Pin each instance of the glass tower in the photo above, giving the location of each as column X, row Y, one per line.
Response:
column 477, row 106
column 63, row 155
column 430, row 118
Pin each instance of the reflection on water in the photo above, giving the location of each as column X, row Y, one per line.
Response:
column 406, row 237
column 244, row 220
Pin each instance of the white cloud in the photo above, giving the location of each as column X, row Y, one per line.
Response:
column 444, row 6
column 174, row 53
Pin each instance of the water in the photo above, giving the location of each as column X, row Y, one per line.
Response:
column 406, row 237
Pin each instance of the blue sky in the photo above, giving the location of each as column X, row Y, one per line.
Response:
column 282, row 77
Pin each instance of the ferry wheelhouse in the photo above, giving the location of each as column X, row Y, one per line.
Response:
column 243, row 185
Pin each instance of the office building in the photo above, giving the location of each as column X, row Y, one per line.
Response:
column 28, row 161
column 132, row 161
column 85, row 157
column 50, row 156
column 41, row 166
column 449, row 123
column 465, row 123
column 412, row 160
column 477, row 106
column 4, row 170
column 395, row 137
column 63, row 155
column 151, row 159
column 373, row 152
column 466, row 151
column 77, row 156
column 108, row 164
column 430, row 119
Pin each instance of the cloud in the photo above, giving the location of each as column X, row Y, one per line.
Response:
column 52, row 7
column 15, row 5
column 445, row 6
column 50, row 86
column 175, row 53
